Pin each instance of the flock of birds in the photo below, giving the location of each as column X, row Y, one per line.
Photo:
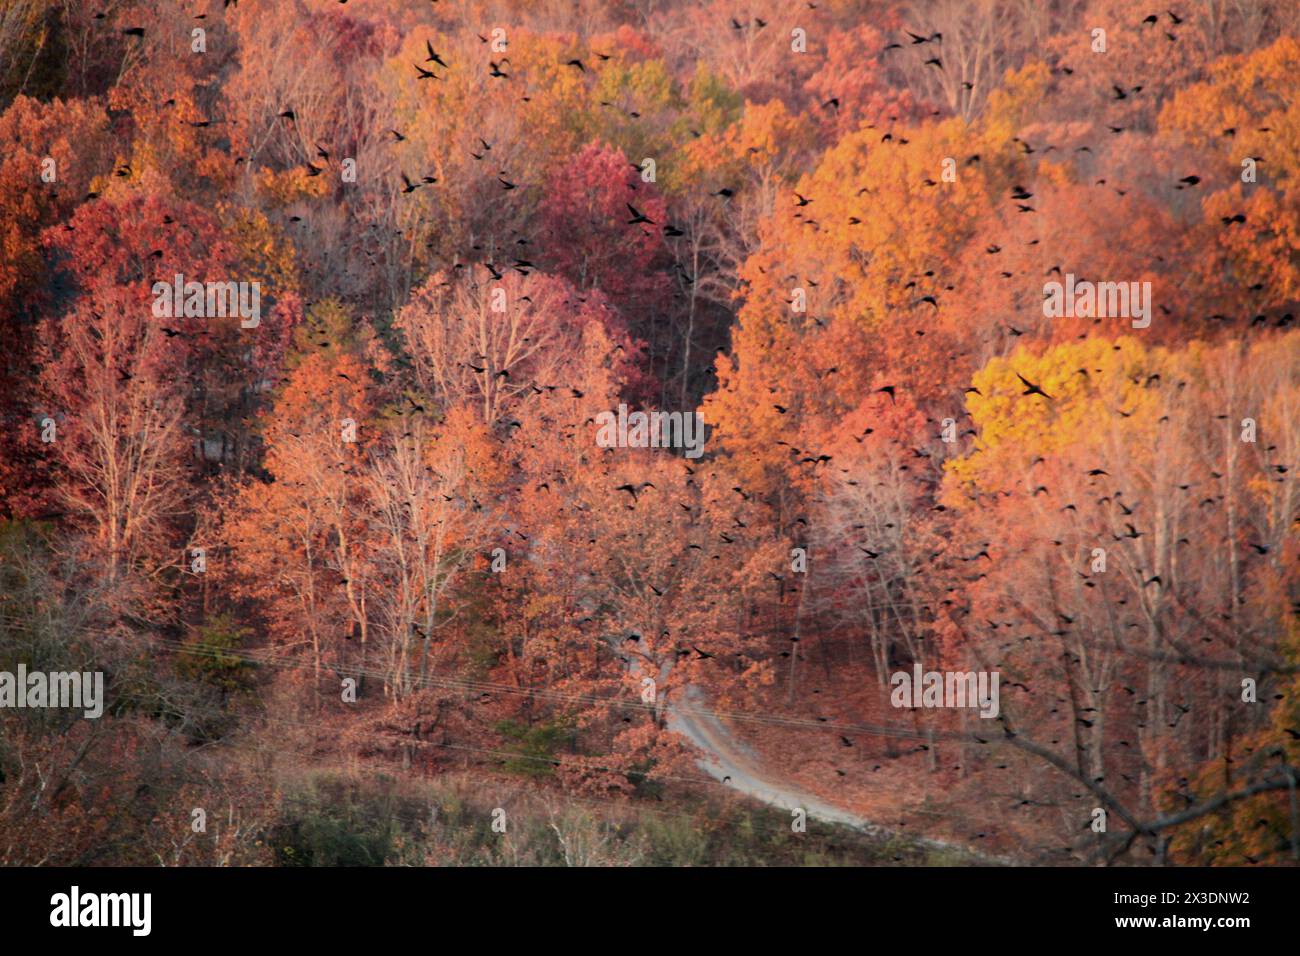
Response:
column 435, row 66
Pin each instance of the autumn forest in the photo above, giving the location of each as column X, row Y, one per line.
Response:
column 649, row 433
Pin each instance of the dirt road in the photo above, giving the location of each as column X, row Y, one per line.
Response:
column 727, row 760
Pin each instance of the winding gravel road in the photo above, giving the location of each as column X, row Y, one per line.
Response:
column 734, row 764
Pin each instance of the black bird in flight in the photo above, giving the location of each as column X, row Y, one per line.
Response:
column 637, row 216
column 433, row 57
column 1031, row 388
column 634, row 490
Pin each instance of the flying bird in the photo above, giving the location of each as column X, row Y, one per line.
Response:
column 634, row 490
column 434, row 57
column 637, row 216
column 1031, row 388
